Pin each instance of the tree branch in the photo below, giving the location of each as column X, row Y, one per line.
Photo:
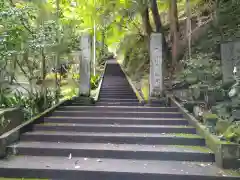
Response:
column 24, row 72
column 23, row 20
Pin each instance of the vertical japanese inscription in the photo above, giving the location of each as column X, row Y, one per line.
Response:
column 156, row 79
column 84, row 88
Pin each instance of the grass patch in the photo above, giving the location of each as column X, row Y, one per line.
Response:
column 233, row 172
column 197, row 148
column 185, row 135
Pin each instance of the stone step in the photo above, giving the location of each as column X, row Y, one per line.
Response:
column 118, row 103
column 52, row 167
column 116, row 151
column 119, row 109
column 81, row 104
column 115, row 81
column 131, row 94
column 116, row 88
column 117, row 120
column 114, row 128
column 121, row 98
column 117, row 93
column 110, row 85
column 121, row 138
column 106, row 99
column 138, row 114
column 125, row 90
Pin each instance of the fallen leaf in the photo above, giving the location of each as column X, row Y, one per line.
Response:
column 202, row 165
column 76, row 162
column 70, row 156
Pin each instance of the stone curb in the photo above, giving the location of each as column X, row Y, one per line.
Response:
column 14, row 134
column 100, row 84
column 140, row 98
column 227, row 155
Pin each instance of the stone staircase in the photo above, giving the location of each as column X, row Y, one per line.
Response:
column 113, row 140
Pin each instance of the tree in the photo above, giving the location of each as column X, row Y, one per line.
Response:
column 159, row 28
column 174, row 29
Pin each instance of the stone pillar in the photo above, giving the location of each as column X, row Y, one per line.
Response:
column 85, row 68
column 156, row 61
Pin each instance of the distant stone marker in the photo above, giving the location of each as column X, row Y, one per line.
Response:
column 230, row 56
column 85, row 65
column 156, row 72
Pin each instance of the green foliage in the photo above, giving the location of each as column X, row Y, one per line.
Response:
column 222, row 126
column 136, row 55
column 203, row 71
column 94, row 81
column 200, row 69
column 233, row 133
column 210, row 116
column 31, row 105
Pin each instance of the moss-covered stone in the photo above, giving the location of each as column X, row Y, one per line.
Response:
column 219, row 95
column 10, row 118
column 236, row 114
column 227, row 156
column 189, row 106
column 191, row 80
column 222, row 126
column 196, row 92
column 210, row 120
column 233, row 133
column 227, row 85
column 221, row 149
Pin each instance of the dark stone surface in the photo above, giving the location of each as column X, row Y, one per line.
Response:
column 10, row 118
column 112, row 142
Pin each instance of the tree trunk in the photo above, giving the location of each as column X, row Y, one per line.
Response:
column 159, row 29
column 14, row 66
column 174, row 29
column 44, row 70
column 146, row 22
column 103, row 43
column 44, row 73
column 58, row 82
column 189, row 27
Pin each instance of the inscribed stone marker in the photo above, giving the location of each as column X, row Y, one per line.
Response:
column 230, row 55
column 85, row 65
column 156, row 77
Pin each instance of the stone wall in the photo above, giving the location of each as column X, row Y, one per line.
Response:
column 10, row 118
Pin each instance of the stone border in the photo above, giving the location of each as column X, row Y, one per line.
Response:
column 14, row 134
column 140, row 98
column 100, row 83
column 227, row 155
